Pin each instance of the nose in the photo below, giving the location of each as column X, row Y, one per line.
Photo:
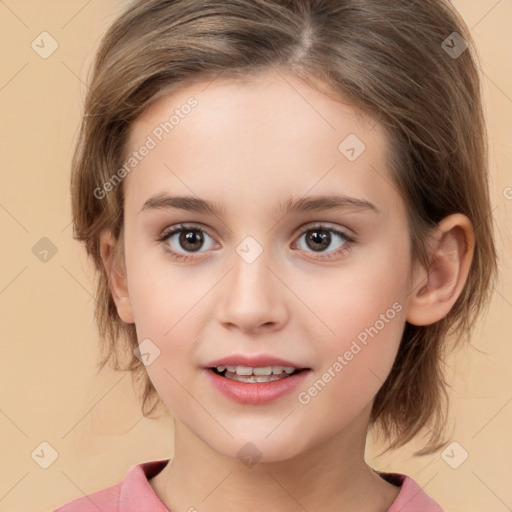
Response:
column 252, row 298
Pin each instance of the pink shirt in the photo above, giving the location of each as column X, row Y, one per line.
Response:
column 135, row 494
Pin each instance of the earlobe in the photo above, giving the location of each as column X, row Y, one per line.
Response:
column 116, row 272
column 435, row 292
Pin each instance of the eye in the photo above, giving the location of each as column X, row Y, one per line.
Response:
column 181, row 239
column 320, row 237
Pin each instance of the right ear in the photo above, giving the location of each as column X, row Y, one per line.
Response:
column 116, row 273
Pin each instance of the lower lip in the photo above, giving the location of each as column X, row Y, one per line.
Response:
column 256, row 393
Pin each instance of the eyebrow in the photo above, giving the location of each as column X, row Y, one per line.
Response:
column 302, row 204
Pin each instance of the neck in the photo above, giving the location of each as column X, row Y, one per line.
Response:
column 332, row 476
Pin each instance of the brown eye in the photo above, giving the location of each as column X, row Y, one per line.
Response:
column 191, row 240
column 318, row 240
column 324, row 240
column 182, row 241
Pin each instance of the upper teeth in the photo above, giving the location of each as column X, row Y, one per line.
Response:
column 266, row 370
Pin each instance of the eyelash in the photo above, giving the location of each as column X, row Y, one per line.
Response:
column 179, row 228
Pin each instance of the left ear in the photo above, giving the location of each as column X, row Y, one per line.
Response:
column 437, row 288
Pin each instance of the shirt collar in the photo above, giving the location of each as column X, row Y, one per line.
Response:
column 136, row 493
column 411, row 496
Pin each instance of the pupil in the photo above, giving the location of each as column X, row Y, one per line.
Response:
column 193, row 238
column 319, row 237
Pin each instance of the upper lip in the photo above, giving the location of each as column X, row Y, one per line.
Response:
column 254, row 361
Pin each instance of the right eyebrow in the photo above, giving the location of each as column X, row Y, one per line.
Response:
column 188, row 203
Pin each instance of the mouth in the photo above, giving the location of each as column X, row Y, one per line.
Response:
column 252, row 375
column 255, row 379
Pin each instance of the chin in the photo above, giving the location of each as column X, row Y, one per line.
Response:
column 258, row 448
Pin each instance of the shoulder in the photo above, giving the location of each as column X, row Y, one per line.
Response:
column 412, row 498
column 106, row 499
column 134, row 490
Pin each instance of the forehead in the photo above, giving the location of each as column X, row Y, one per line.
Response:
column 278, row 100
column 270, row 135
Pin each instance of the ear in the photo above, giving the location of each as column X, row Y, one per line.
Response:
column 437, row 288
column 110, row 252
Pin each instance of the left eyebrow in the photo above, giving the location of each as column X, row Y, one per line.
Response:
column 311, row 203
column 328, row 202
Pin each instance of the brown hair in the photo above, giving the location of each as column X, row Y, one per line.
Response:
column 391, row 59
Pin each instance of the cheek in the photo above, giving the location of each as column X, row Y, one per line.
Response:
column 162, row 294
column 166, row 304
column 362, row 321
column 349, row 301
column 363, row 351
column 354, row 367
column 169, row 320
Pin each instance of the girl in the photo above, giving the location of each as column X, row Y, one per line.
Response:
column 287, row 205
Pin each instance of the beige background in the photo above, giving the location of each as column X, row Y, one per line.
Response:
column 50, row 391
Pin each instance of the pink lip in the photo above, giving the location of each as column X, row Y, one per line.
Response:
column 256, row 393
column 251, row 361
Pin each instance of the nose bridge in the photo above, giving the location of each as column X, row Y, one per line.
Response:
column 251, row 295
column 250, row 277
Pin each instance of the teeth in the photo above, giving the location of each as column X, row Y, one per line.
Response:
column 266, row 370
column 253, row 378
column 243, row 370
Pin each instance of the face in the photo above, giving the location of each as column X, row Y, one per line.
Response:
column 303, row 262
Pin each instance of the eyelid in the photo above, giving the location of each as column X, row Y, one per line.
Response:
column 168, row 232
column 325, row 226
column 299, row 231
column 183, row 226
column 328, row 226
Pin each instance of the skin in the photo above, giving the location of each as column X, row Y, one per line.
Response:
column 248, row 147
